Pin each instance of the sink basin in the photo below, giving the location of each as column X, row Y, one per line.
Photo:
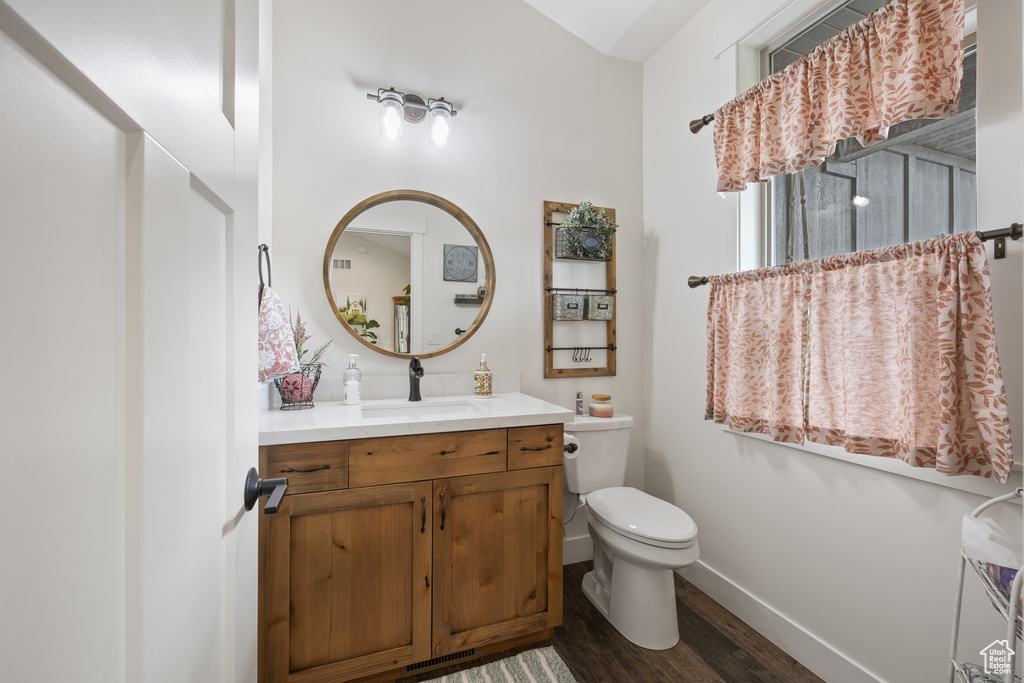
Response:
column 419, row 409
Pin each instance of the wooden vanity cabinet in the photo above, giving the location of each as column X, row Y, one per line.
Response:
column 497, row 557
column 403, row 549
column 348, row 582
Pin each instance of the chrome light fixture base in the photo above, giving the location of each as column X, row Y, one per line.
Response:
column 415, row 108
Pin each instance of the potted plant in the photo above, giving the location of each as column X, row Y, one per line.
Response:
column 586, row 233
column 296, row 389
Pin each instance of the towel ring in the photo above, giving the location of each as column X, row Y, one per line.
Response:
column 263, row 251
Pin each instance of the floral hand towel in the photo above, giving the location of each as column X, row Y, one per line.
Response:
column 277, row 356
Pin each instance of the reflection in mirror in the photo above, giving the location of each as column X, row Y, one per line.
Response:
column 368, row 270
column 405, row 271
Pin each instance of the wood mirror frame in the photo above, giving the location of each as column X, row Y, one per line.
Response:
column 449, row 208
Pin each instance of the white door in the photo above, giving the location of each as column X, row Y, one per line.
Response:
column 127, row 300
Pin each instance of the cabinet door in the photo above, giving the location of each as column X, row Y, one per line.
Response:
column 497, row 557
column 348, row 579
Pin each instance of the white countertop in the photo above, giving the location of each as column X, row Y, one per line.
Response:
column 330, row 421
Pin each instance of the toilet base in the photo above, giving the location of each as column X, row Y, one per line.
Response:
column 644, row 605
column 599, row 597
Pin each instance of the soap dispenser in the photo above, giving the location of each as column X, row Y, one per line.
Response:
column 482, row 379
column 352, row 382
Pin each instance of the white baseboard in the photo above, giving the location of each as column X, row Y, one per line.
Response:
column 821, row 658
column 577, row 549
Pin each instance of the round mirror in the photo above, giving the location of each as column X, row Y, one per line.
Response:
column 408, row 273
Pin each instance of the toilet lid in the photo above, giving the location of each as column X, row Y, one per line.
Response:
column 643, row 517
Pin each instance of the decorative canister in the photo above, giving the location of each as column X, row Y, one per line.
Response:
column 567, row 307
column 598, row 307
column 601, row 405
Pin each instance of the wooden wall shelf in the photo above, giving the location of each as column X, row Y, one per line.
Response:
column 550, row 371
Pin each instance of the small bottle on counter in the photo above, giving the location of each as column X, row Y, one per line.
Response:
column 579, row 402
column 482, row 379
column 352, row 382
column 601, row 405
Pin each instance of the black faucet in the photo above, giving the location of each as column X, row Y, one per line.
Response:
column 415, row 373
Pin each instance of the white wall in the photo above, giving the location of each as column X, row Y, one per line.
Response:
column 851, row 569
column 542, row 116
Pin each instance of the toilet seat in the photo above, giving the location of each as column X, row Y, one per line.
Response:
column 643, row 517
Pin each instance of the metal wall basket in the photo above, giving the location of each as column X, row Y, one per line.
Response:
column 598, row 307
column 580, row 244
column 567, row 307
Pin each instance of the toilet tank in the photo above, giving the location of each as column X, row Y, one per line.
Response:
column 600, row 461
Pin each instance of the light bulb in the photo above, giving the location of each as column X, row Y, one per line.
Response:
column 440, row 131
column 391, row 122
column 441, row 113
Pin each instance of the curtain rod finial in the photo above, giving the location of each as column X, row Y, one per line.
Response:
column 697, row 124
column 696, row 281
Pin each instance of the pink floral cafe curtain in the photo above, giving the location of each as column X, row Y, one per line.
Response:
column 904, row 61
column 888, row 352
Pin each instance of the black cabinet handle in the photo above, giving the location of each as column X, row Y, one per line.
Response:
column 541, row 448
column 442, row 512
column 423, row 515
column 311, row 469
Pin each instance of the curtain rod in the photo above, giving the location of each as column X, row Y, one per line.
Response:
column 1015, row 231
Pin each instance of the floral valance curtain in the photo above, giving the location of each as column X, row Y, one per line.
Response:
column 903, row 61
column 888, row 352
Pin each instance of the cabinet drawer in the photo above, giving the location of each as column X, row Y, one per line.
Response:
column 535, row 446
column 416, row 457
column 320, row 466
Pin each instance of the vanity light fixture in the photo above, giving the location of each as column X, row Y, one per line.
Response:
column 399, row 107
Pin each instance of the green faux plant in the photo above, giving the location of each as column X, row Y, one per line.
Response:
column 582, row 224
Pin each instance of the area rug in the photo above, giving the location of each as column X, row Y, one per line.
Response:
column 542, row 665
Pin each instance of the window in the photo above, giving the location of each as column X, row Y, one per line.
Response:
column 918, row 184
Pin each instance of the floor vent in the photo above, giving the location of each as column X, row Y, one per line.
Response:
column 438, row 662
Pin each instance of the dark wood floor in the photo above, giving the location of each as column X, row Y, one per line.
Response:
column 714, row 646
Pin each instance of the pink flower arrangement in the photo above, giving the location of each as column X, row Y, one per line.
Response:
column 299, row 332
column 296, row 389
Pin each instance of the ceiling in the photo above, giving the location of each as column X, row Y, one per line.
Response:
column 627, row 29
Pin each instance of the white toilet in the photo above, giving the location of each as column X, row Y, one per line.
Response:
column 638, row 539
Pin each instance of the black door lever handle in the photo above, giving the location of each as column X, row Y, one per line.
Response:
column 256, row 488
